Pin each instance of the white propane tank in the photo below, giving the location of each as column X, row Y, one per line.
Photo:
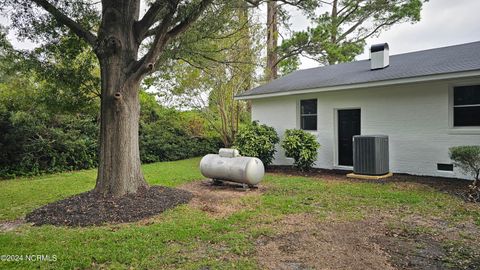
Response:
column 245, row 170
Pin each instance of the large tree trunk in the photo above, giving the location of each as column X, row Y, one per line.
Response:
column 272, row 40
column 119, row 171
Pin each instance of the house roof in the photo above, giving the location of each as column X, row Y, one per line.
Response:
column 446, row 60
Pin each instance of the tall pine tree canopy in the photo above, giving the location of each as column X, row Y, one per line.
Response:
column 341, row 28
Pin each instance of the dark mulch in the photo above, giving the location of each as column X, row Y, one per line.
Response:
column 453, row 186
column 91, row 208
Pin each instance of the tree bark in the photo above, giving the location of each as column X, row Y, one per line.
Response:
column 332, row 60
column 119, row 171
column 272, row 41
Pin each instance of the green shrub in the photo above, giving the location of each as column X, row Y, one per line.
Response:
column 35, row 143
column 301, row 146
column 255, row 140
column 45, row 130
column 165, row 134
column 159, row 142
column 467, row 158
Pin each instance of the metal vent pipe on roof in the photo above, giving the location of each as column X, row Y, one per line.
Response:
column 379, row 56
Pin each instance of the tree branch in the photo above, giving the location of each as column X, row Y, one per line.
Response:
column 153, row 31
column 353, row 27
column 141, row 27
column 146, row 64
column 150, row 32
column 346, row 16
column 386, row 24
column 256, row 3
column 163, row 35
column 192, row 17
column 65, row 20
column 293, row 52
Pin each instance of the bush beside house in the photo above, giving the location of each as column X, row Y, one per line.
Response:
column 255, row 140
column 301, row 146
column 467, row 159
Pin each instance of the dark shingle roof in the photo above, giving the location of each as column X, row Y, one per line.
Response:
column 458, row 58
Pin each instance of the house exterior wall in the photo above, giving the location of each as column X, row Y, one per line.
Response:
column 416, row 117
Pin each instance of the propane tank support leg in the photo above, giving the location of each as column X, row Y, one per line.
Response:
column 217, row 182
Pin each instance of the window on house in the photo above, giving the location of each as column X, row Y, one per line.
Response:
column 308, row 114
column 466, row 106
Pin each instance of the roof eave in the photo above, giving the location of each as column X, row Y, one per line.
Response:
column 427, row 78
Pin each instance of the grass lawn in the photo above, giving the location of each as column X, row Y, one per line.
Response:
column 292, row 219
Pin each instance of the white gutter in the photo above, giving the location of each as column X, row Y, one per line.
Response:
column 428, row 78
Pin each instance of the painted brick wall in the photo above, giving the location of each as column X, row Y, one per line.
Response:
column 416, row 117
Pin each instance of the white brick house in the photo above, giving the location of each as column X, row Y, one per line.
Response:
column 425, row 101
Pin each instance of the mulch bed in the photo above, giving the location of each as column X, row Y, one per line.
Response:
column 453, row 186
column 91, row 208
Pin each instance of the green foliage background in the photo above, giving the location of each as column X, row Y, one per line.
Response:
column 36, row 140
column 167, row 134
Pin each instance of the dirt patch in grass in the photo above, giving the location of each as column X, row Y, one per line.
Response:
column 90, row 208
column 10, row 225
column 219, row 200
column 410, row 249
column 453, row 186
column 303, row 242
column 419, row 242
column 413, row 251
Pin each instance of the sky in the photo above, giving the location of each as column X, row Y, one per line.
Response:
column 443, row 23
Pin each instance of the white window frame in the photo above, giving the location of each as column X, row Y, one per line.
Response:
column 300, row 115
column 466, row 130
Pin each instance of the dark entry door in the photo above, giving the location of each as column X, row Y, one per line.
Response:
column 348, row 126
